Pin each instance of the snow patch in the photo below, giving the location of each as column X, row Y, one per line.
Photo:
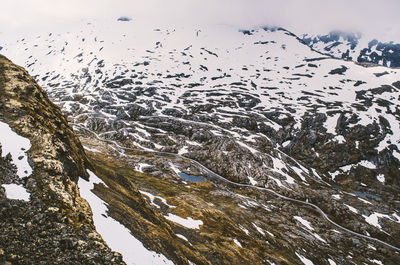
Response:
column 153, row 197
column 237, row 242
column 331, row 262
column 319, row 237
column 182, row 236
column 183, row 150
column 346, row 168
column 252, row 181
column 16, row 192
column 141, row 166
column 381, row 178
column 284, row 144
column 304, row 260
column 373, row 219
column 259, row 229
column 340, row 139
column 252, row 150
column 397, row 217
column 244, row 229
column 367, row 164
column 90, row 149
column 396, row 154
column 371, row 247
column 334, row 174
column 303, row 222
column 364, row 201
column 354, row 210
column 331, row 122
column 188, row 222
column 193, row 143
column 117, row 236
column 174, row 168
column 17, row 146
column 269, row 233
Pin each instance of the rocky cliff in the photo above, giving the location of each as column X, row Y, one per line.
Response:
column 53, row 224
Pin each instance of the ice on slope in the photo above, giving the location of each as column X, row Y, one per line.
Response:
column 117, row 237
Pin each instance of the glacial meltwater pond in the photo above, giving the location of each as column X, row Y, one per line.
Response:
column 364, row 194
column 359, row 193
column 191, row 178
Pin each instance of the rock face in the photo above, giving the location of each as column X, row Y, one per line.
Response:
column 54, row 225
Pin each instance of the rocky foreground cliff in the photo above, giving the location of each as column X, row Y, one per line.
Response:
column 53, row 224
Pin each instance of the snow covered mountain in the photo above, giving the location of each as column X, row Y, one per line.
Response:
column 355, row 47
column 296, row 152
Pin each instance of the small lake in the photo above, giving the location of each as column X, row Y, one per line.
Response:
column 364, row 194
column 358, row 193
column 191, row 178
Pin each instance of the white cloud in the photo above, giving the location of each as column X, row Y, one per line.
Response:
column 368, row 16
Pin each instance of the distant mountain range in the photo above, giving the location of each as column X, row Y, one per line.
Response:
column 349, row 46
column 353, row 47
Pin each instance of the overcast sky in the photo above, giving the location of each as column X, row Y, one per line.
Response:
column 377, row 18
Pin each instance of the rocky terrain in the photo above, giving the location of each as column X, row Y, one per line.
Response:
column 220, row 146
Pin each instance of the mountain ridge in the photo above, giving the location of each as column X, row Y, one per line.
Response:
column 354, row 47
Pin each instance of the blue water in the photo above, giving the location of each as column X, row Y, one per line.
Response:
column 364, row 194
column 358, row 193
column 191, row 178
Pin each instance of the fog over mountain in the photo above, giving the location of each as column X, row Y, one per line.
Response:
column 374, row 18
